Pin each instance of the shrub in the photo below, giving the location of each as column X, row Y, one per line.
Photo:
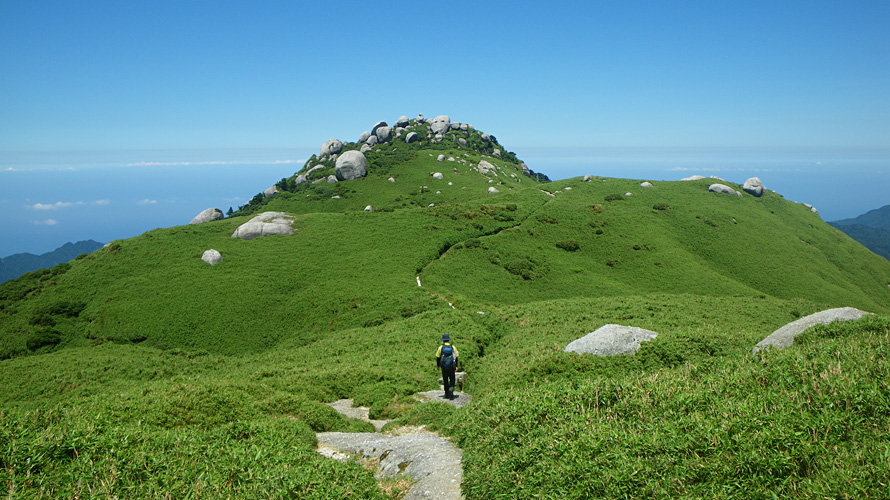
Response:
column 661, row 206
column 615, row 197
column 568, row 245
column 42, row 338
column 473, row 243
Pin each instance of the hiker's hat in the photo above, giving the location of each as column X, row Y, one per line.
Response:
column 446, row 338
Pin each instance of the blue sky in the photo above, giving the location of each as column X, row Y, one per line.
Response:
column 126, row 93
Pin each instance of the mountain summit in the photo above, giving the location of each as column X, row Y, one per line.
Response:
column 206, row 357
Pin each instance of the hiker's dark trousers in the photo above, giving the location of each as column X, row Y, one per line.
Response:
column 448, row 379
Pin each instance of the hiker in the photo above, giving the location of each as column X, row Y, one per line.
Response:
column 446, row 359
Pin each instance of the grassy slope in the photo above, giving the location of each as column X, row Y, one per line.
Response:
column 233, row 360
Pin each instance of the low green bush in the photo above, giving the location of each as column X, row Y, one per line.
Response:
column 568, row 245
column 44, row 337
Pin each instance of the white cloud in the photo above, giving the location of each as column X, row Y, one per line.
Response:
column 146, row 202
column 101, row 202
column 55, row 206
column 10, row 169
column 45, row 222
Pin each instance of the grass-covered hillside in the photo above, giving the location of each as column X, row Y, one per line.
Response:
column 142, row 371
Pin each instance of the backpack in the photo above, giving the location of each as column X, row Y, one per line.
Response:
column 448, row 357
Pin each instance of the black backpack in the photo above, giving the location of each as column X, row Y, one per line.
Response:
column 448, row 357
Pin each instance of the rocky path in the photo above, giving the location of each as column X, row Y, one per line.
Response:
column 432, row 462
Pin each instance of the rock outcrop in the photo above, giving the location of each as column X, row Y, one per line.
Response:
column 207, row 216
column 433, row 462
column 611, row 340
column 693, row 178
column 784, row 336
column 351, row 165
column 646, row 184
column 211, row 257
column 331, row 147
column 383, row 133
column 485, row 168
column 440, row 124
column 723, row 188
column 754, row 187
column 265, row 224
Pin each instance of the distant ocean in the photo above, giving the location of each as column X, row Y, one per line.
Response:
column 49, row 199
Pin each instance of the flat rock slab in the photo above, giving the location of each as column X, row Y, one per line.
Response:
column 611, row 340
column 345, row 407
column 432, row 461
column 460, row 398
column 784, row 336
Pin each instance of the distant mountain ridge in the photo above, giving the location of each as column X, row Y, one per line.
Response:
column 18, row 264
column 871, row 229
column 878, row 218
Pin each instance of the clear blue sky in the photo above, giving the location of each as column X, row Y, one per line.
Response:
column 139, row 80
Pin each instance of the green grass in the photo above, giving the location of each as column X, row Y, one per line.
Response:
column 812, row 421
column 140, row 371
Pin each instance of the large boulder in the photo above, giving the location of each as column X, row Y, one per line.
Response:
column 269, row 192
column 722, row 188
column 784, row 336
column 331, row 147
column 383, row 133
column 485, row 168
column 611, row 340
column 693, row 178
column 376, row 126
column 364, row 136
column 411, row 137
column 646, row 184
column 372, row 141
column 493, row 190
column 402, row 121
column 351, row 165
column 207, row 216
column 753, row 186
column 440, row 124
column 265, row 224
column 211, row 257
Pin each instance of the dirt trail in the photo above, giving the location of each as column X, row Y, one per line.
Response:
column 432, row 462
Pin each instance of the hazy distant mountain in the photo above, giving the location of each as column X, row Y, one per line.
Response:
column 18, row 264
column 871, row 229
column 878, row 218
